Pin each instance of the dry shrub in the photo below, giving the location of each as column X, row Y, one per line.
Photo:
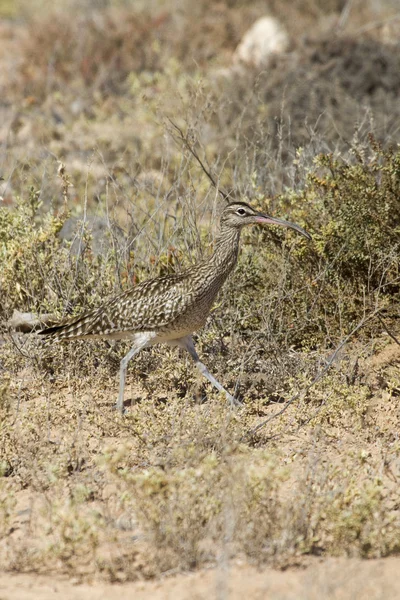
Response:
column 315, row 97
column 350, row 205
column 99, row 49
column 361, row 223
column 30, row 277
column 178, row 485
column 249, row 503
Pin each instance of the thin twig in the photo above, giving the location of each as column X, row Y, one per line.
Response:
column 31, row 358
column 18, row 402
column 184, row 138
column 319, row 375
column 385, row 327
column 375, row 24
column 344, row 15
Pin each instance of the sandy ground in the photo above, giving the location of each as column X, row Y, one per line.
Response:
column 336, row 579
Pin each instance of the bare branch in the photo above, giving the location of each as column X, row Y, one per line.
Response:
column 385, row 327
column 185, row 140
column 376, row 24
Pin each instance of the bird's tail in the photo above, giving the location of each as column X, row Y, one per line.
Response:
column 72, row 328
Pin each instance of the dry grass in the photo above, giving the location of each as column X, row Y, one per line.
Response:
column 177, row 484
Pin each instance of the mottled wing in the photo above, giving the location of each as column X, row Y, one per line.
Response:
column 151, row 305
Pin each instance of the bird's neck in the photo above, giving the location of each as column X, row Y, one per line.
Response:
column 226, row 249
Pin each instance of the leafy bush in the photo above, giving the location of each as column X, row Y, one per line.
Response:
column 40, row 273
column 26, row 249
column 321, row 289
column 357, row 215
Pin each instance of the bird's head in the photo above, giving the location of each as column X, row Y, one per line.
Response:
column 239, row 214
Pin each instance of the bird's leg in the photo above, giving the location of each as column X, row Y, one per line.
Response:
column 187, row 344
column 140, row 342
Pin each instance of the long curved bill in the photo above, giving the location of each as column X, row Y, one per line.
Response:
column 260, row 218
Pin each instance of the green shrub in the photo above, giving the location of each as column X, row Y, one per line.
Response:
column 39, row 273
column 322, row 288
column 357, row 214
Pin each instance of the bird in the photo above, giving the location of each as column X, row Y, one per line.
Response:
column 169, row 309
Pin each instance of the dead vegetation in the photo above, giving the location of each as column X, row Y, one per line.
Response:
column 181, row 481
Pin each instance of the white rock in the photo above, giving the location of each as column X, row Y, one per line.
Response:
column 265, row 38
column 25, row 322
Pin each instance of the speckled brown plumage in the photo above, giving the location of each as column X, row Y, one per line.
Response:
column 169, row 309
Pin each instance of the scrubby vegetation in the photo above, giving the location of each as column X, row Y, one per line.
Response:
column 109, row 111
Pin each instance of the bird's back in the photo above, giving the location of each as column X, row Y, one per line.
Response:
column 170, row 305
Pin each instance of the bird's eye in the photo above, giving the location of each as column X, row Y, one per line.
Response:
column 241, row 212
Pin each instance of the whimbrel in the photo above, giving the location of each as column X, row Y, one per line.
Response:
column 169, row 309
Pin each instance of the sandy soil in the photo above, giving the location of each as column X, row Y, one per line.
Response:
column 336, row 579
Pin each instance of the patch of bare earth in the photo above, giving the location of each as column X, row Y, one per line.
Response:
column 332, row 579
column 86, row 504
